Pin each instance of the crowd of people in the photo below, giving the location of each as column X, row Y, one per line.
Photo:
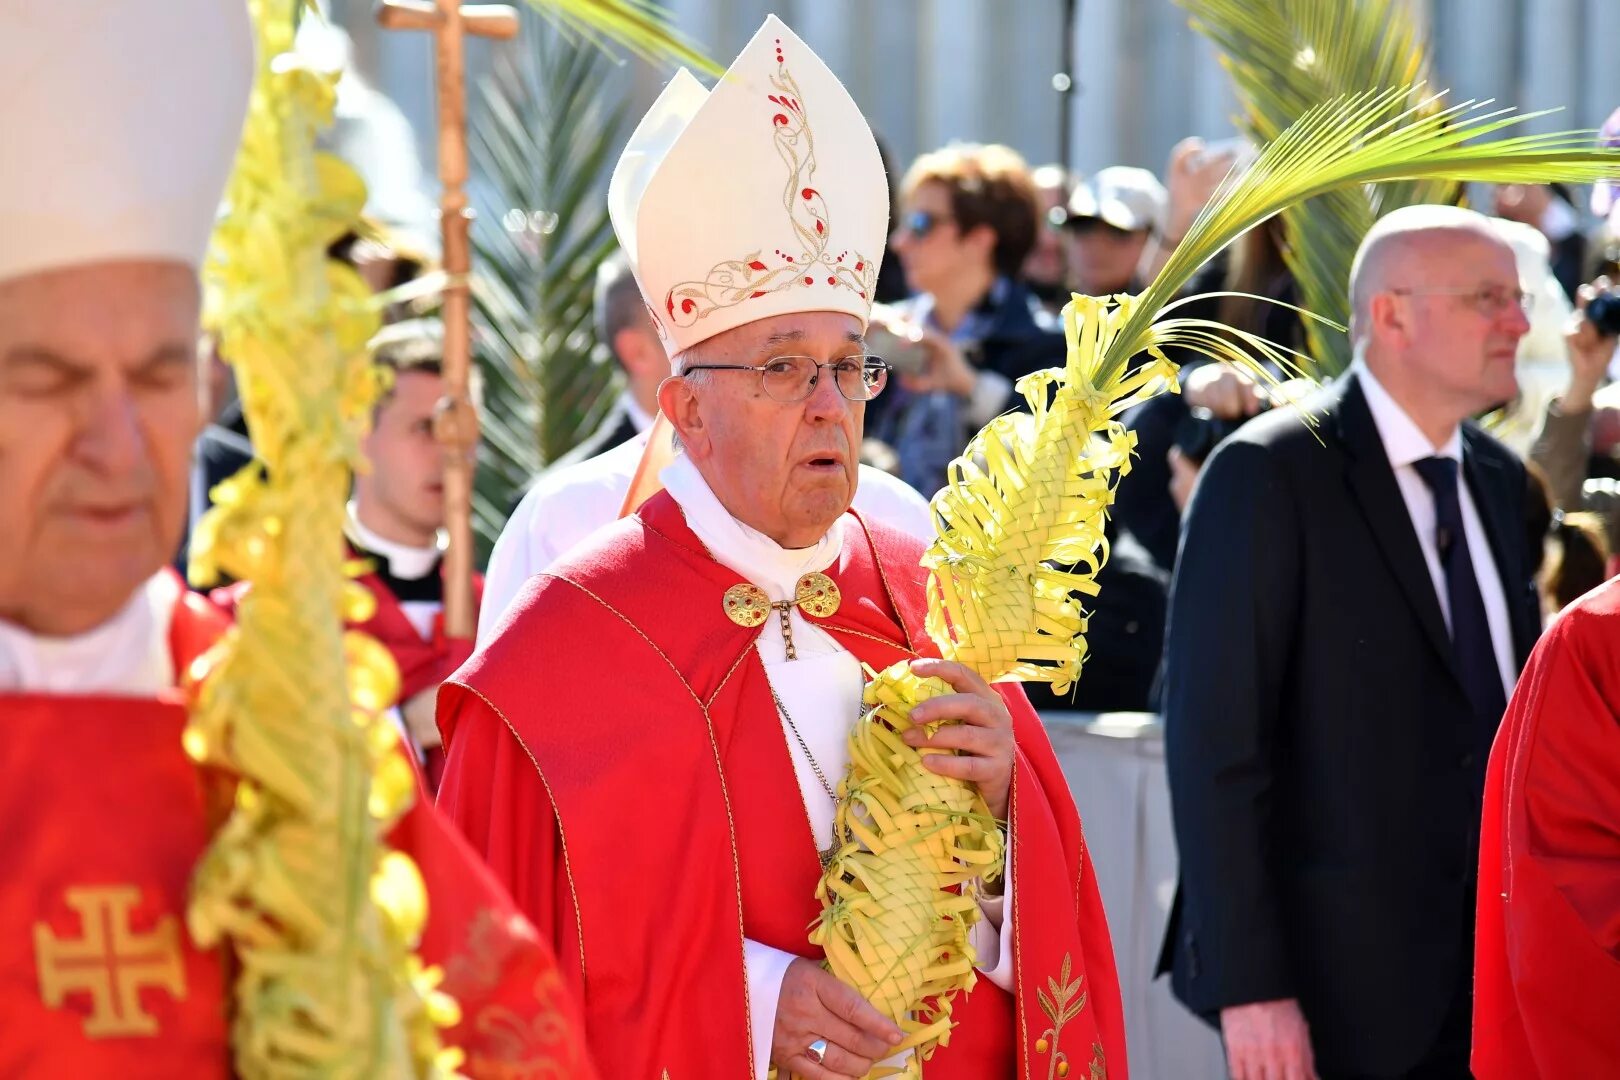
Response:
column 1331, row 618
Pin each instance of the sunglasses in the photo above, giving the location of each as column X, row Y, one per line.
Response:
column 920, row 223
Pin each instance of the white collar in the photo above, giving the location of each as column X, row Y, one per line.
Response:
column 404, row 562
column 128, row 655
column 744, row 549
column 639, row 417
column 1403, row 440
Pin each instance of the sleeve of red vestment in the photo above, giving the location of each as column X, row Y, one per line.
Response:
column 518, row 1011
column 1547, row 980
column 1570, row 771
column 487, row 767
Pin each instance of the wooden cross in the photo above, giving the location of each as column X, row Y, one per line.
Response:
column 456, row 424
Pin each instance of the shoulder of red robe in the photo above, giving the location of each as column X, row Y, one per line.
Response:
column 1547, row 978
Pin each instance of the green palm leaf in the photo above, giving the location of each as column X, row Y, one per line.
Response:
column 543, row 137
column 1288, row 56
column 639, row 25
column 1346, row 144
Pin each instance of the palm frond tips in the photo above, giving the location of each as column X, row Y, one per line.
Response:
column 1346, row 144
column 1287, row 56
column 639, row 26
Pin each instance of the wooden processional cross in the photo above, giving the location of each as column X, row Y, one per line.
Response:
column 455, row 426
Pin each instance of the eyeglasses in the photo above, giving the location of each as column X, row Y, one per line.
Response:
column 1489, row 300
column 920, row 223
column 790, row 379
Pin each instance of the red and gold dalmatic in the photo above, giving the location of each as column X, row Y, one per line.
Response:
column 105, row 818
column 650, row 824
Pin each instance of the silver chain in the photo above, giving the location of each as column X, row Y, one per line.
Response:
column 808, row 756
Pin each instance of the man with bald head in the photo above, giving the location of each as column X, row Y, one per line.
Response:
column 1350, row 611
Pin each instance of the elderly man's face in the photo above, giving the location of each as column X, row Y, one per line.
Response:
column 98, row 411
column 1461, row 336
column 786, row 469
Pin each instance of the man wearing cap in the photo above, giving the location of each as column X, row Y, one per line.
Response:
column 654, row 776
column 1112, row 215
column 110, row 186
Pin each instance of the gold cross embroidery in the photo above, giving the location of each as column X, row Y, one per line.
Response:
column 110, row 962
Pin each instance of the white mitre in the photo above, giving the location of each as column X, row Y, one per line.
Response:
column 764, row 196
column 119, row 122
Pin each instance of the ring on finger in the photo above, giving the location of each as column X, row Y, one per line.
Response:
column 817, row 1051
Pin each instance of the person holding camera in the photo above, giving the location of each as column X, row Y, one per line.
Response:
column 1348, row 615
column 1563, row 445
column 968, row 222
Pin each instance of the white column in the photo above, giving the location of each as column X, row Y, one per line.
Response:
column 1027, row 54
column 1101, row 109
column 887, row 51
column 1476, row 49
column 1214, row 102
column 1552, row 45
column 1600, row 29
column 953, row 74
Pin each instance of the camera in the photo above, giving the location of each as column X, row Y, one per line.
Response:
column 1603, row 311
column 1200, row 431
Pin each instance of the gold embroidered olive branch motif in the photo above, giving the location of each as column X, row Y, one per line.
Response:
column 732, row 281
column 1062, row 1001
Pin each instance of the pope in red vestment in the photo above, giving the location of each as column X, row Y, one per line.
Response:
column 652, row 770
column 1547, row 957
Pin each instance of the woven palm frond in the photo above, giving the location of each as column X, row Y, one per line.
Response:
column 320, row 915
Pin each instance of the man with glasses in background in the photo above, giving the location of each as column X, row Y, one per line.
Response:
column 1350, row 610
column 648, row 747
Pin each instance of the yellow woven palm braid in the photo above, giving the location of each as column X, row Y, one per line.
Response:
column 1033, row 491
column 320, row 916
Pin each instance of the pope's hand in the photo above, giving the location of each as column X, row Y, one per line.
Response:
column 1268, row 1040
column 815, row 1005
column 983, row 741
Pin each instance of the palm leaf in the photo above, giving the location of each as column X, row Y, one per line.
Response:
column 543, row 140
column 1347, row 144
column 1287, row 56
column 638, row 25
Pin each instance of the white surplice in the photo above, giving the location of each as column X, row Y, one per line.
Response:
column 128, row 655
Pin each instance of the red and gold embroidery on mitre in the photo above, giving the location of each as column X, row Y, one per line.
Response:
column 813, row 259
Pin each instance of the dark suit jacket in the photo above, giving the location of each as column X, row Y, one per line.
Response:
column 616, row 427
column 1325, row 771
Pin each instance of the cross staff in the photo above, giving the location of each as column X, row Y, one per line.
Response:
column 455, row 424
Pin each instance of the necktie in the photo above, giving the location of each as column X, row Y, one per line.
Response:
column 1470, row 629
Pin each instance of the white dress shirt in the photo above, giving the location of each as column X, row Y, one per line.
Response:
column 1405, row 444
column 566, row 505
column 127, row 656
column 821, row 692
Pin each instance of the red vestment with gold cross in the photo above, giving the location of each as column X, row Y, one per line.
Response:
column 105, row 818
column 616, row 756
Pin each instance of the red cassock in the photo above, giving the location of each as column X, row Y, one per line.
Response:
column 104, row 819
column 615, row 754
column 1547, row 957
column 422, row 662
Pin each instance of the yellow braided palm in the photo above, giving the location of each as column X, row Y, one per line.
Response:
column 320, row 916
column 1032, row 492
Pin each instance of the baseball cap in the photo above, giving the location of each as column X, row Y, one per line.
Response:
column 1122, row 196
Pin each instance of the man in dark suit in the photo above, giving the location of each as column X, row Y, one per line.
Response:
column 623, row 327
column 1350, row 610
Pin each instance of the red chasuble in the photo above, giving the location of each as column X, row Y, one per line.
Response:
column 1547, row 956
column 615, row 754
column 104, row 819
